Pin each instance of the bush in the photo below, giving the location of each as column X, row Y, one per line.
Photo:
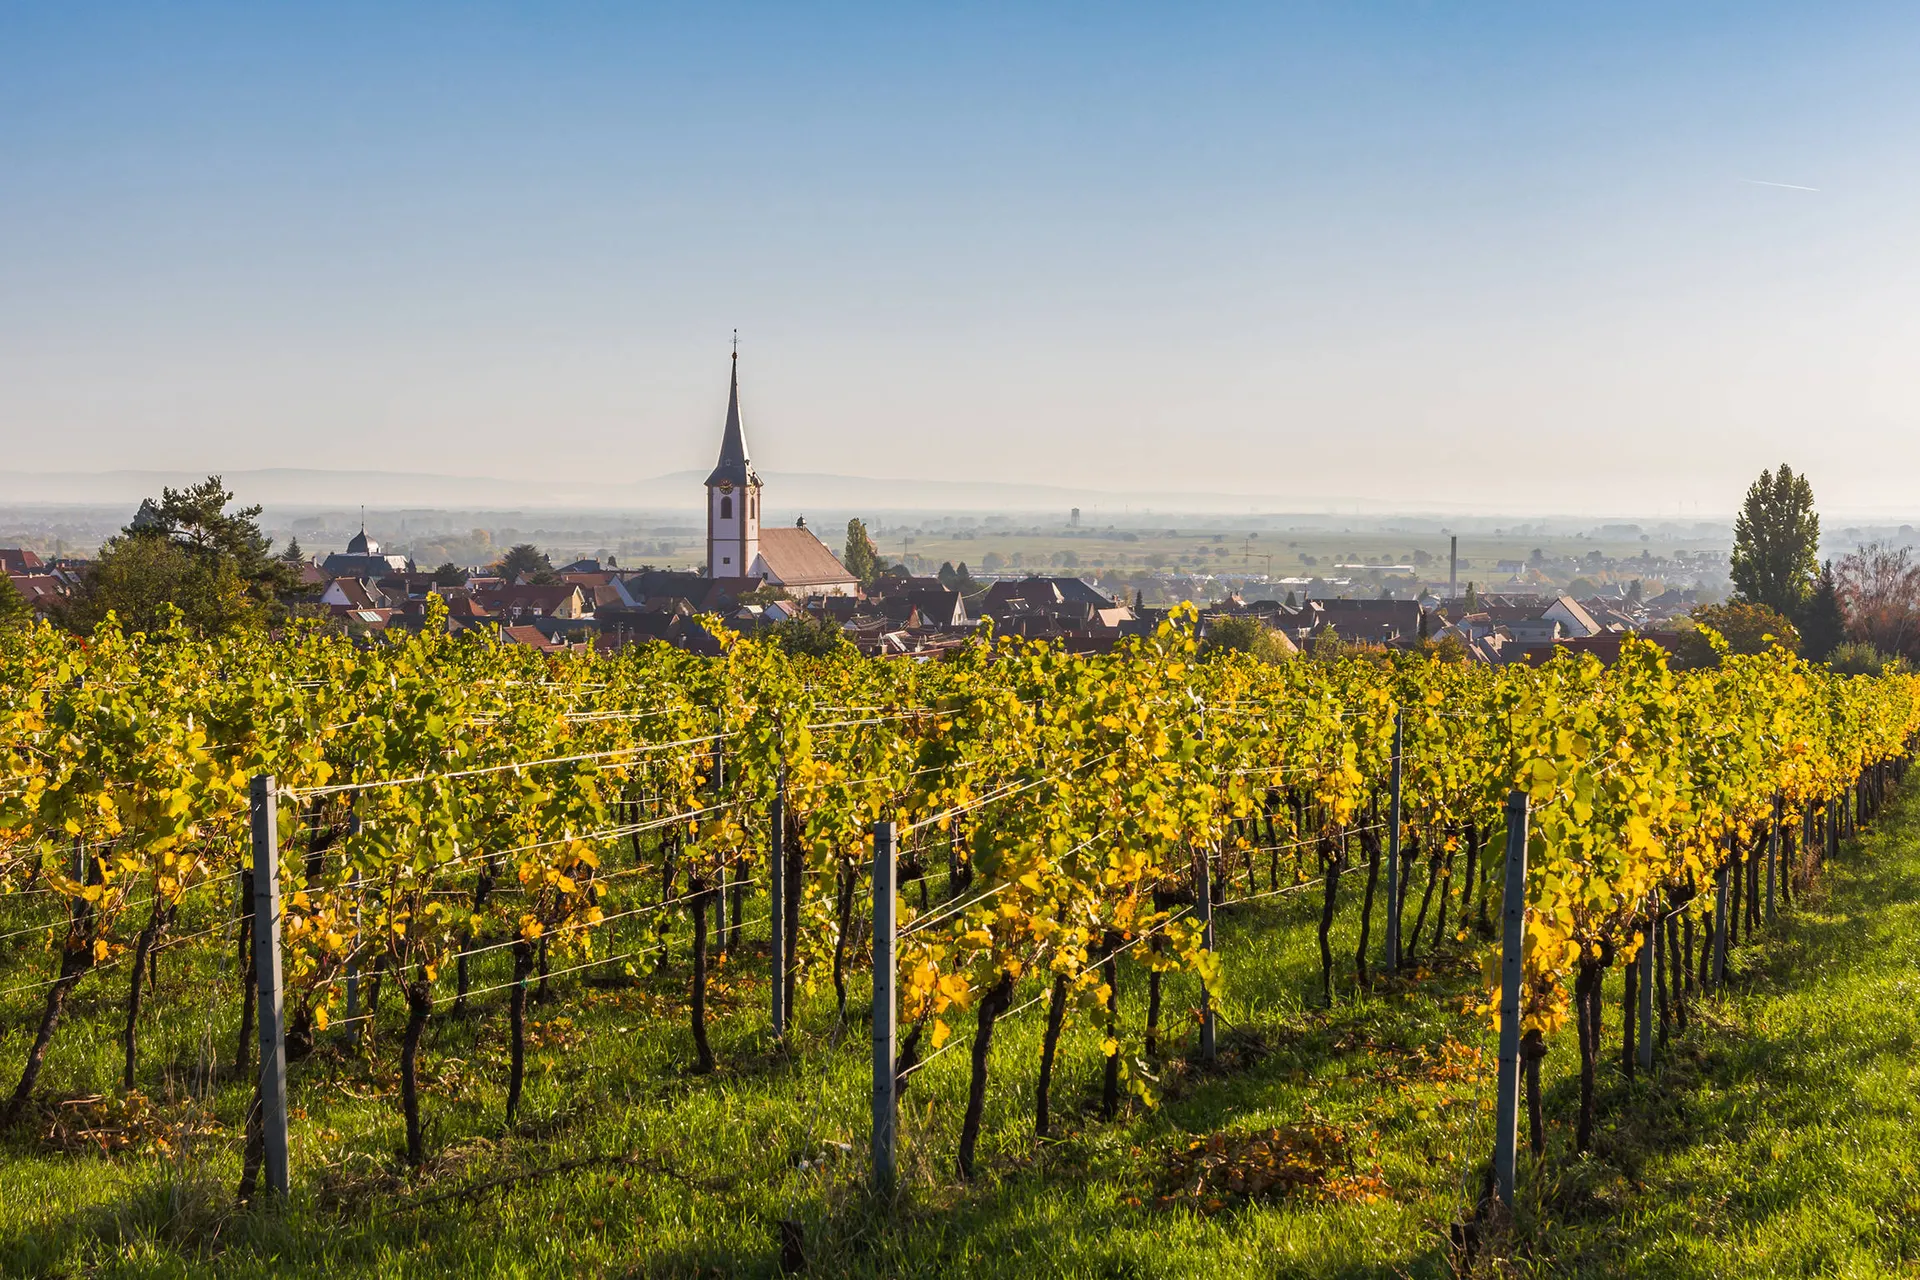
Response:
column 1858, row 658
column 1747, row 628
column 1249, row 636
column 810, row 636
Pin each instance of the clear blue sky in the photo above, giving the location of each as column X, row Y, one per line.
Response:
column 1511, row 254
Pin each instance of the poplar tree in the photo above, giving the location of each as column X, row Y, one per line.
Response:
column 1776, row 541
column 861, row 560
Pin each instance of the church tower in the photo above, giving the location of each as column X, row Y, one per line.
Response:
column 733, row 496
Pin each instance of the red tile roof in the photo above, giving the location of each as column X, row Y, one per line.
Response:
column 795, row 558
column 532, row 637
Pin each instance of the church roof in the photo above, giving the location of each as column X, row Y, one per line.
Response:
column 361, row 545
column 795, row 558
column 734, row 468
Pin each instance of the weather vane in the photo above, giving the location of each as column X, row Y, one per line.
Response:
column 736, row 344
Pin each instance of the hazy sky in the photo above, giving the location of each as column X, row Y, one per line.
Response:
column 1513, row 254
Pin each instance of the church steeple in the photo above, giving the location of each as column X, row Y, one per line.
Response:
column 734, row 467
column 733, row 494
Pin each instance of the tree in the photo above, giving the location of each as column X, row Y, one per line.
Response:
column 765, row 593
column 186, row 551
column 449, row 575
column 1472, row 604
column 1634, row 591
column 861, row 559
column 1776, row 540
column 1747, row 628
column 293, row 555
column 524, row 559
column 1878, row 586
column 15, row 612
column 1822, row 620
column 810, row 635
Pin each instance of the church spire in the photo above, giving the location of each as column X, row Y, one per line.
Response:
column 734, row 468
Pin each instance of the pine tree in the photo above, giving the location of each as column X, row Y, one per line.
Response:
column 1822, row 622
column 1776, row 542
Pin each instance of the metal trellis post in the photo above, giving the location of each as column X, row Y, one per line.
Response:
column 1393, row 851
column 1513, row 928
column 777, row 884
column 266, row 964
column 885, row 1006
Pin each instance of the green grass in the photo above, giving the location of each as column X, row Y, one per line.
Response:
column 1776, row 1139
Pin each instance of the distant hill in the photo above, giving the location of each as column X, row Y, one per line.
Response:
column 299, row 486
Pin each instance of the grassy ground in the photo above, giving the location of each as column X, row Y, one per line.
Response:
column 1777, row 1138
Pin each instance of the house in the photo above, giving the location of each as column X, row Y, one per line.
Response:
column 367, row 619
column 1605, row 646
column 535, row 600
column 1044, row 592
column 652, row 585
column 309, row 576
column 1612, row 613
column 43, row 592
column 532, row 638
column 19, row 562
column 355, row 593
column 664, row 626
column 1574, row 620
column 1363, row 621
column 363, row 559
column 1536, row 631
column 799, row 563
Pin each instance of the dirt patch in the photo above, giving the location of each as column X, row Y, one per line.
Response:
column 1317, row 1162
column 109, row 1124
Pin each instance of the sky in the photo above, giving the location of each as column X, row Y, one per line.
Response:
column 1522, row 257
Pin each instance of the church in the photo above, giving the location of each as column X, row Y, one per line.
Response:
column 739, row 551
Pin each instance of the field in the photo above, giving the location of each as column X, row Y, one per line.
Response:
column 449, row 808
column 1777, row 1137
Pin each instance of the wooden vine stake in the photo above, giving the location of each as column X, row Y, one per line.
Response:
column 1773, row 852
column 885, row 1007
column 1203, row 897
column 1644, row 960
column 1722, row 903
column 1513, row 928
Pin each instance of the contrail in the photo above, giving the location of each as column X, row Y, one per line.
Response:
column 1789, row 186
